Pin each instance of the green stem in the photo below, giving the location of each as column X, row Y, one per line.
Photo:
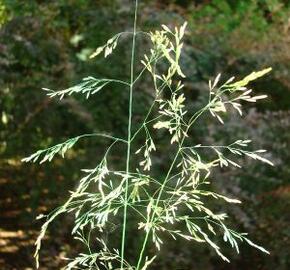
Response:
column 191, row 122
column 118, row 81
column 154, row 212
column 129, row 136
column 102, row 135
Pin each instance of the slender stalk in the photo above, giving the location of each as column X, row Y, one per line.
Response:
column 191, row 122
column 153, row 214
column 129, row 135
column 102, row 135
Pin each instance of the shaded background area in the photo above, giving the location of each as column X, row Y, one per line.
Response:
column 47, row 44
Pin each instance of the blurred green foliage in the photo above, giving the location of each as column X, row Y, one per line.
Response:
column 47, row 44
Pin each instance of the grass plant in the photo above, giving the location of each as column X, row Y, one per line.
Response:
column 175, row 204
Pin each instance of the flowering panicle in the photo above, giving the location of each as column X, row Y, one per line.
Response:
column 173, row 204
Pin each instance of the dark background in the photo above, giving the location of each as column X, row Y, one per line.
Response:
column 47, row 44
